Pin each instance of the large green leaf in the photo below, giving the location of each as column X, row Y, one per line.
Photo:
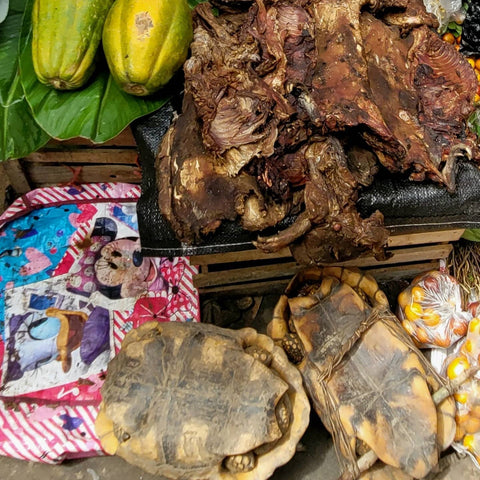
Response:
column 472, row 234
column 98, row 111
column 19, row 133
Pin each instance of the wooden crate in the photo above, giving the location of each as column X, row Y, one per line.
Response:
column 77, row 160
column 252, row 272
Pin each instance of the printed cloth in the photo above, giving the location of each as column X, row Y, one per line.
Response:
column 73, row 282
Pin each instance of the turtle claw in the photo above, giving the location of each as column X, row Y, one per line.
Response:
column 260, row 354
column 240, row 463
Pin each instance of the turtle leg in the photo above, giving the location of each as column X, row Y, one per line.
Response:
column 293, row 348
column 240, row 463
column 260, row 354
column 359, row 280
column 283, row 412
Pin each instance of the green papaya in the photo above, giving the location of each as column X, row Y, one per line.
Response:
column 65, row 38
column 146, row 42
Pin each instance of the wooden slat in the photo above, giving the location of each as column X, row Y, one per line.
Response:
column 241, row 256
column 405, row 271
column 404, row 255
column 265, row 287
column 87, row 155
column 124, row 138
column 269, row 286
column 44, row 175
column 238, row 275
column 17, row 178
column 437, row 236
column 261, row 272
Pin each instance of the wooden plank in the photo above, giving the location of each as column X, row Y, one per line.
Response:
column 405, row 271
column 265, row 287
column 18, row 180
column 44, row 175
column 126, row 156
column 437, row 236
column 269, row 286
column 404, row 255
column 124, row 138
column 248, row 274
column 261, row 272
column 241, row 256
column 421, row 238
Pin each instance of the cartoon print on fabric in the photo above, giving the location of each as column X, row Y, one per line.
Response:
column 151, row 308
column 126, row 214
column 35, row 244
column 181, row 292
column 114, row 267
column 53, row 334
column 70, row 275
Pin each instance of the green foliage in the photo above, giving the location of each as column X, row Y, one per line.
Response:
column 194, row 3
column 19, row 132
column 474, row 122
column 31, row 113
column 455, row 29
column 472, row 234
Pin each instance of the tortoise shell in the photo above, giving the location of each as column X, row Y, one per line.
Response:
column 367, row 380
column 191, row 401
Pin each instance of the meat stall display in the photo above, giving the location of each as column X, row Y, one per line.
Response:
column 291, row 108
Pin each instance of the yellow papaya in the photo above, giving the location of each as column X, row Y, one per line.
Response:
column 146, row 42
column 66, row 35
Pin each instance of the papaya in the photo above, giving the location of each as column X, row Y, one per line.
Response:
column 145, row 42
column 66, row 35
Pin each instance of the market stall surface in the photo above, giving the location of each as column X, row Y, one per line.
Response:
column 315, row 460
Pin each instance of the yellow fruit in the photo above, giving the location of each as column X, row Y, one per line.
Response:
column 449, row 38
column 418, row 294
column 404, row 298
column 457, row 366
column 469, row 442
column 65, row 39
column 443, row 342
column 458, row 327
column 461, row 397
column 413, row 311
column 471, row 61
column 474, row 325
column 422, row 335
column 477, row 63
column 472, row 425
column 409, row 327
column 430, row 317
column 467, row 347
column 146, row 42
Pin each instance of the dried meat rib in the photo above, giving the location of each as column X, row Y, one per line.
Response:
column 239, row 111
column 424, row 90
column 340, row 97
column 330, row 215
column 196, row 194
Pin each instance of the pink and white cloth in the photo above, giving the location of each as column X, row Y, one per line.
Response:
column 73, row 282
